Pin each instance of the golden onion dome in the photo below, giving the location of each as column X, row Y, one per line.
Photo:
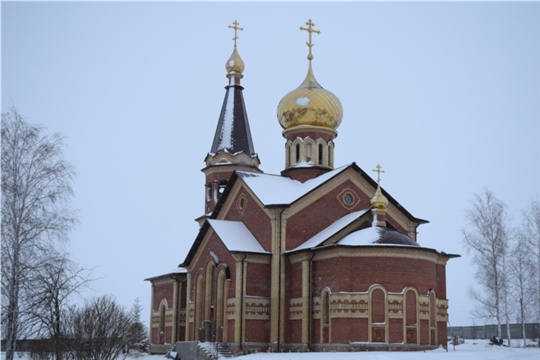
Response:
column 310, row 104
column 379, row 201
column 235, row 64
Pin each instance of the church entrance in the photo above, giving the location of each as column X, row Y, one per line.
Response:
column 208, row 331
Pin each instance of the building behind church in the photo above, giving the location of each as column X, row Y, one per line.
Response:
column 316, row 258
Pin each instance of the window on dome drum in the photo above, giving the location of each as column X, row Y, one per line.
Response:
column 320, row 154
column 329, row 155
column 308, row 150
column 297, row 152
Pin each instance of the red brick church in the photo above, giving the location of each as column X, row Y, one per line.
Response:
column 317, row 258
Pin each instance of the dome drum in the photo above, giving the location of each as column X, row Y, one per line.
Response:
column 309, row 153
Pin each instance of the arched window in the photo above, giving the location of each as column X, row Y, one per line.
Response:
column 162, row 324
column 209, row 298
column 320, row 154
column 308, row 152
column 222, row 186
column 198, row 308
column 379, row 326
column 410, row 300
column 330, row 162
column 220, row 302
column 326, row 308
column 297, row 153
column 209, row 192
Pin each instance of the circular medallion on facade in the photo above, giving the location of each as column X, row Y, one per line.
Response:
column 348, row 198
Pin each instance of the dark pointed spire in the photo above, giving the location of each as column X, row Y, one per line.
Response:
column 232, row 148
column 232, row 133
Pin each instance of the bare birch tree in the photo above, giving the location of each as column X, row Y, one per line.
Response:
column 522, row 277
column 485, row 236
column 36, row 213
column 531, row 230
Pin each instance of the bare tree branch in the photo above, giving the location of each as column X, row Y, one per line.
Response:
column 36, row 215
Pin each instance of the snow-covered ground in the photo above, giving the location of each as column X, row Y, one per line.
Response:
column 472, row 349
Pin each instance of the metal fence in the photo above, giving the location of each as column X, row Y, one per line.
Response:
column 487, row 331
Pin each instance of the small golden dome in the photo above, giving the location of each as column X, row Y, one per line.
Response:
column 310, row 104
column 379, row 201
column 235, row 64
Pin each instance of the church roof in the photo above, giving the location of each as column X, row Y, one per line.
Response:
column 236, row 236
column 232, row 133
column 369, row 236
column 274, row 190
column 331, row 230
column 178, row 270
column 377, row 236
column 282, row 190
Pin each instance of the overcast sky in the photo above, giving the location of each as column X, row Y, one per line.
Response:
column 445, row 96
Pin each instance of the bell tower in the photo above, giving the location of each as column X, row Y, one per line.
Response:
column 232, row 148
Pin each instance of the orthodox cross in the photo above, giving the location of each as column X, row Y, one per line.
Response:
column 378, row 171
column 310, row 30
column 236, row 28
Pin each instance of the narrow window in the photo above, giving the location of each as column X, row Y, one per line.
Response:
column 208, row 192
column 308, row 157
column 326, row 308
column 221, row 189
column 162, row 324
column 297, row 152
column 320, row 154
column 330, row 156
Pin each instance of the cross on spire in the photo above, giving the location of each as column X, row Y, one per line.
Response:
column 378, row 171
column 310, row 30
column 236, row 28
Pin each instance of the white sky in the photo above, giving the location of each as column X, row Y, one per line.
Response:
column 445, row 96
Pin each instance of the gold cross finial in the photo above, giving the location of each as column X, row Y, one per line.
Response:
column 236, row 28
column 378, row 171
column 310, row 30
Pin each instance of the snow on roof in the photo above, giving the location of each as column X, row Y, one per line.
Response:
column 236, row 236
column 279, row 190
column 366, row 236
column 228, row 123
column 377, row 236
column 178, row 270
column 331, row 230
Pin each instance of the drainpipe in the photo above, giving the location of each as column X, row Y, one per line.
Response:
column 310, row 299
column 242, row 327
column 279, row 282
